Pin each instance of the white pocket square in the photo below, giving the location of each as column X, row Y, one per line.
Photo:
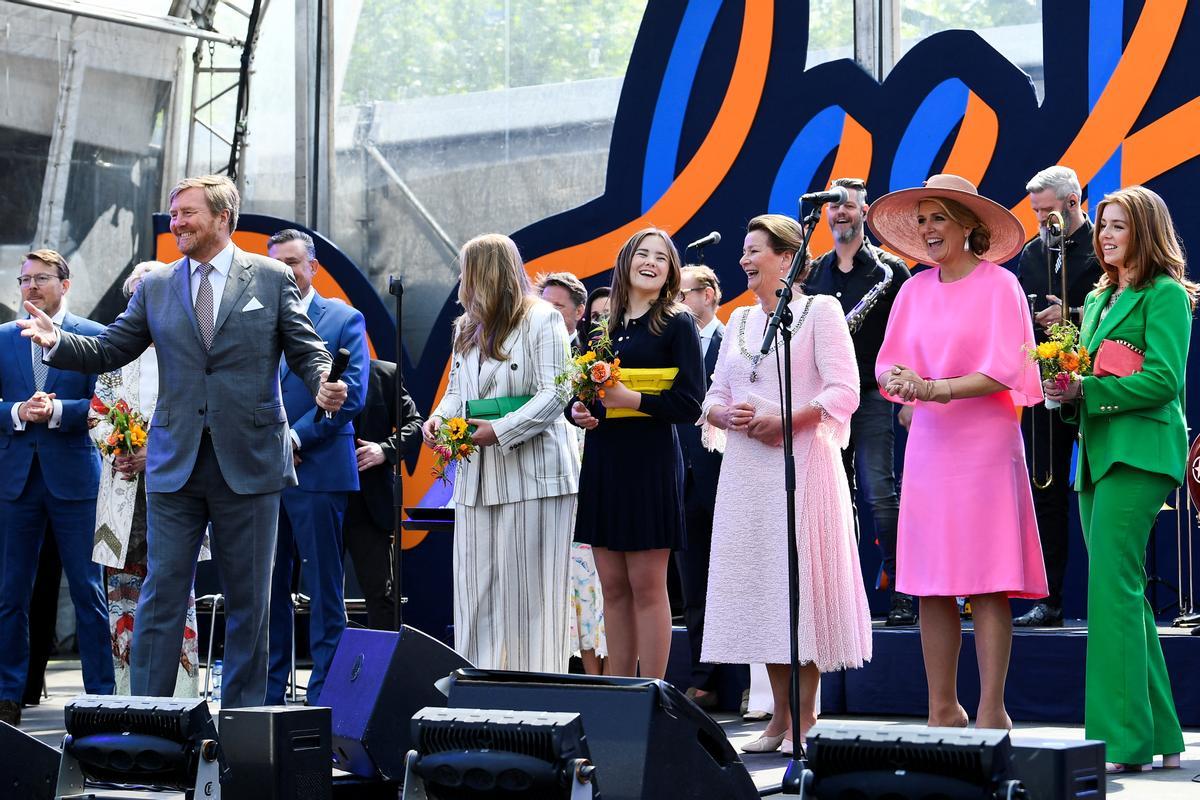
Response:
column 253, row 305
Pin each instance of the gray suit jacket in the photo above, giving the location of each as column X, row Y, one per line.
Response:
column 233, row 389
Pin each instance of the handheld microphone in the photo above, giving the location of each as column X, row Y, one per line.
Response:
column 341, row 360
column 712, row 238
column 835, row 195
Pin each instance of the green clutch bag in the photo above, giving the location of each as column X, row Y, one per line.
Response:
column 493, row 408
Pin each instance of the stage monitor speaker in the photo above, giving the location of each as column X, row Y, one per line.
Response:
column 902, row 762
column 276, row 753
column 377, row 681
column 1060, row 770
column 29, row 767
column 647, row 740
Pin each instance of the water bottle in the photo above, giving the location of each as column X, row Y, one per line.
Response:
column 216, row 680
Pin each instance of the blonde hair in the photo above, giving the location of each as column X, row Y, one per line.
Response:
column 980, row 237
column 1154, row 247
column 495, row 294
column 784, row 235
column 219, row 191
column 136, row 274
column 707, row 279
column 664, row 306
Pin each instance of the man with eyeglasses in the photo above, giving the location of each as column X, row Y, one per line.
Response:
column 49, row 476
column 849, row 272
column 700, row 291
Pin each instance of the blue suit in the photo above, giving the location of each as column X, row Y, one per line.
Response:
column 48, row 478
column 311, row 521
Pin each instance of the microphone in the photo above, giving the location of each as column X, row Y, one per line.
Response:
column 341, row 359
column 836, row 195
column 712, row 238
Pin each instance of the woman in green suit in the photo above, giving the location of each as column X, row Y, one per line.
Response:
column 1133, row 445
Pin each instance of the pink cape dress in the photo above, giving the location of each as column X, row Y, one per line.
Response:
column 746, row 618
column 967, row 523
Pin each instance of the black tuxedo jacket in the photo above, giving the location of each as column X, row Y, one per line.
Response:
column 374, row 424
column 702, row 467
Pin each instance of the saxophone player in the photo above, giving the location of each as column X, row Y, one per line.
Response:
column 1048, row 440
column 865, row 280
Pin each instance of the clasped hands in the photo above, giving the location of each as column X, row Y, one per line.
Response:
column 129, row 466
column 38, row 408
column 906, row 384
column 745, row 418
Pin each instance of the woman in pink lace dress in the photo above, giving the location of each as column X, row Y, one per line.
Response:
column 955, row 344
column 747, row 609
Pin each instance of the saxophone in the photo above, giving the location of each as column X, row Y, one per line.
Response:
column 863, row 307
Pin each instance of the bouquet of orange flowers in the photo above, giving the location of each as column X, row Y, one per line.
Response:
column 1061, row 358
column 129, row 427
column 453, row 443
column 589, row 374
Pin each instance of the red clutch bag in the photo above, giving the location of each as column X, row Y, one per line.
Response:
column 1117, row 357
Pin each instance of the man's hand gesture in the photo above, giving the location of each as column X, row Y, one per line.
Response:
column 39, row 327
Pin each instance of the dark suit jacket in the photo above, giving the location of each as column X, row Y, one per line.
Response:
column 232, row 389
column 374, row 424
column 69, row 462
column 702, row 467
column 327, row 462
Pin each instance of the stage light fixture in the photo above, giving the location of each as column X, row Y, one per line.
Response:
column 140, row 742
column 478, row 754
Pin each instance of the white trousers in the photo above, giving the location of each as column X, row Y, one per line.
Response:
column 511, row 566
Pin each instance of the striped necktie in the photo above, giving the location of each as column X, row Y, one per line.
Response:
column 204, row 305
column 40, row 368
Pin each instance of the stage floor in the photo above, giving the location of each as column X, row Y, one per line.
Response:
column 65, row 681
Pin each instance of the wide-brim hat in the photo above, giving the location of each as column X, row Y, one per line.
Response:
column 893, row 218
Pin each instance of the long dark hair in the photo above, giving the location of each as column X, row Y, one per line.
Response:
column 590, row 328
column 664, row 306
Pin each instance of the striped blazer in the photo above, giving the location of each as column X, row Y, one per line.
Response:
column 536, row 455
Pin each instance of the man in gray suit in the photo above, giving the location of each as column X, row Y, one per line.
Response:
column 219, row 449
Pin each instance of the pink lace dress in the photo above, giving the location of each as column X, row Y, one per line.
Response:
column 746, row 620
column 967, row 524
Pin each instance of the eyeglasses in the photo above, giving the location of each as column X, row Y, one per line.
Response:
column 679, row 298
column 39, row 280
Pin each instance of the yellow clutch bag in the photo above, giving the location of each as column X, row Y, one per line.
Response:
column 647, row 380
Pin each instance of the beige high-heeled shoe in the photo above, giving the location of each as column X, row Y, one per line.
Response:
column 763, row 744
column 1171, row 760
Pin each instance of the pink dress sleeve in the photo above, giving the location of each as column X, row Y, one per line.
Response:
column 719, row 393
column 838, row 398
column 1005, row 328
column 898, row 336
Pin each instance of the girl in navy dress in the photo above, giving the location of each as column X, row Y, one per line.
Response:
column 631, row 483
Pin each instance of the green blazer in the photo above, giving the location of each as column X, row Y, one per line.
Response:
column 1136, row 420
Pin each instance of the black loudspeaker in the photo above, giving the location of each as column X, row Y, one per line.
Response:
column 1060, row 770
column 896, row 762
column 377, row 681
column 28, row 768
column 276, row 753
column 647, row 740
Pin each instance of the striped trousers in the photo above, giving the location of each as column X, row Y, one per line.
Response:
column 511, row 565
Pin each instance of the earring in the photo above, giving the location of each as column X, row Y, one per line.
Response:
column 967, row 243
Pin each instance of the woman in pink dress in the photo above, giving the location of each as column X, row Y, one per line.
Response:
column 746, row 620
column 955, row 348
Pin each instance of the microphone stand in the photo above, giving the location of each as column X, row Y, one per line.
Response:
column 780, row 325
column 396, row 289
column 699, row 253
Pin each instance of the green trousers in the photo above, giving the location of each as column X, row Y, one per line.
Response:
column 1128, row 701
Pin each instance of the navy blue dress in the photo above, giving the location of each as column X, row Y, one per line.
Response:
column 631, row 481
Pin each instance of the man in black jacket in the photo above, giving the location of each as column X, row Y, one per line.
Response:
column 367, row 529
column 1053, row 189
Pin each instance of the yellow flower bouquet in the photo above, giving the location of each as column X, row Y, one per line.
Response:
column 129, row 428
column 1061, row 358
column 453, row 444
column 588, row 374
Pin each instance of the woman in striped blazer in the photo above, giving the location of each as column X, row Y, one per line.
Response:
column 515, row 497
